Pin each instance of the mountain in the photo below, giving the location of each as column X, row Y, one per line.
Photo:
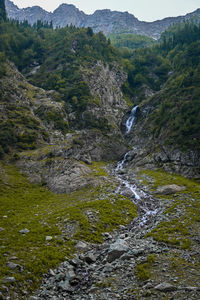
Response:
column 105, row 20
column 99, row 164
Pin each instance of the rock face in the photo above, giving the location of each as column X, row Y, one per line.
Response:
column 105, row 20
column 154, row 152
column 105, row 83
column 61, row 159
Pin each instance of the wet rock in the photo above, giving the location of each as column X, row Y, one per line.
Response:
column 169, row 189
column 117, row 249
column 165, row 287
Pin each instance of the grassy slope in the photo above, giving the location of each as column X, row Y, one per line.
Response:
column 25, row 205
column 178, row 233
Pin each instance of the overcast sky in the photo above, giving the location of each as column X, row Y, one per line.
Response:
column 147, row 10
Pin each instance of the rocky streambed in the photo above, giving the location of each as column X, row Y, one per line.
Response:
column 129, row 264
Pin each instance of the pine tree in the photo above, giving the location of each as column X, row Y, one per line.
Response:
column 2, row 11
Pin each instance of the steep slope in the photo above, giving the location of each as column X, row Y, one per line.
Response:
column 105, row 20
column 167, row 132
column 36, row 120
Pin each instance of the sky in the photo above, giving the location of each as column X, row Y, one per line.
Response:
column 144, row 10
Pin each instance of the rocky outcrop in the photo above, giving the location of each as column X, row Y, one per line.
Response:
column 105, row 84
column 56, row 156
column 105, row 20
column 155, row 152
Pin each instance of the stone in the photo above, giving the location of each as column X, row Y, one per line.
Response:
column 13, row 258
column 70, row 275
column 81, row 246
column 49, row 238
column 169, row 189
column 75, row 262
column 34, row 298
column 64, row 285
column 107, row 235
column 52, row 273
column 90, row 258
column 14, row 266
column 1, row 229
column 9, row 280
column 149, row 285
column 24, row 231
column 191, row 288
column 117, row 249
column 165, row 287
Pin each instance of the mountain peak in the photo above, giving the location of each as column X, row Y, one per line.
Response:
column 104, row 20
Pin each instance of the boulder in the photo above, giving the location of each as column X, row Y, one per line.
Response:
column 165, row 287
column 90, row 258
column 81, row 246
column 169, row 189
column 117, row 249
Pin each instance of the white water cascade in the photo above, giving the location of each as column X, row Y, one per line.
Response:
column 131, row 120
column 144, row 202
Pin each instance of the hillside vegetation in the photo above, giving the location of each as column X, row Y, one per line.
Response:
column 171, row 71
column 130, row 41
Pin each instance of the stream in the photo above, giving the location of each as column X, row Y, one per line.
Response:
column 146, row 205
column 87, row 276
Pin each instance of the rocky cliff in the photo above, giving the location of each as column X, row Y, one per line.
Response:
column 51, row 153
column 105, row 20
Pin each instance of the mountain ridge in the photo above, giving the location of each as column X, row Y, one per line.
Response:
column 105, row 20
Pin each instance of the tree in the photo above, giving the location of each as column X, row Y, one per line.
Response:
column 2, row 11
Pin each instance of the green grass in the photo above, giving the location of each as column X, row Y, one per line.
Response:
column 44, row 213
column 143, row 270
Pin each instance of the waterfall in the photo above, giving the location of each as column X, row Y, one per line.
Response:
column 131, row 120
column 121, row 163
column 144, row 202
